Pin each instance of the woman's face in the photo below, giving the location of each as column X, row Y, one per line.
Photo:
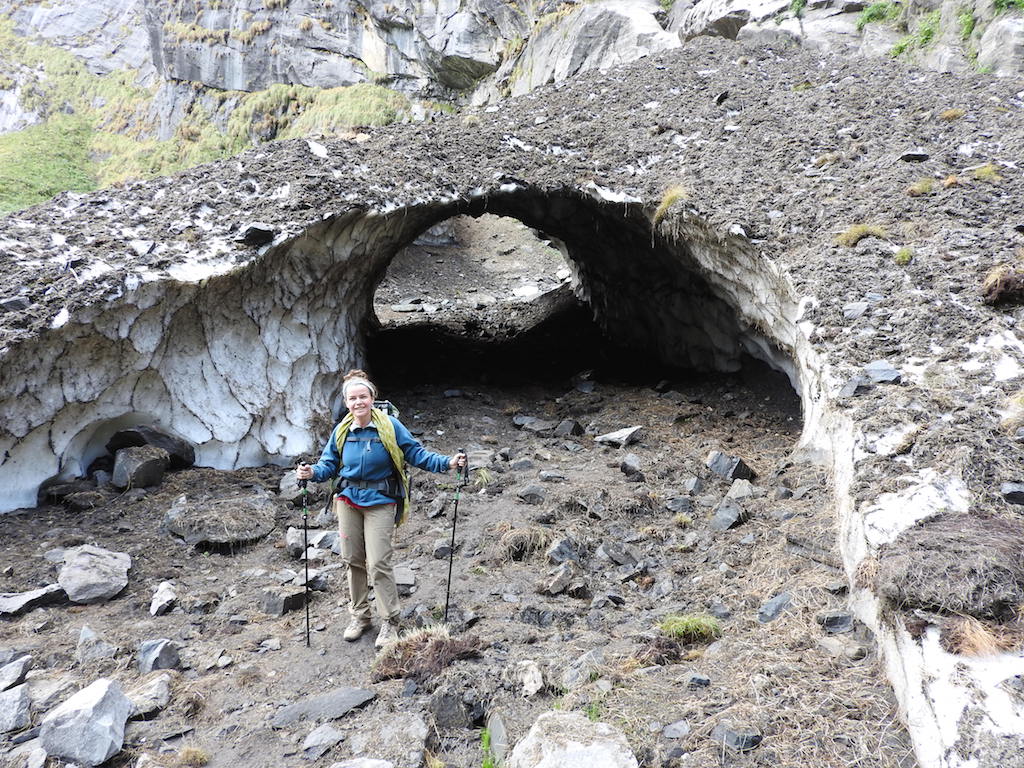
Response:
column 359, row 400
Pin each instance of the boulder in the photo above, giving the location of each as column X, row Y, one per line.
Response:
column 88, row 728
column 139, row 467
column 13, row 673
column 157, row 654
column 324, row 706
column 1001, row 48
column 163, row 599
column 91, row 647
column 13, row 603
column 222, row 524
column 570, row 740
column 14, row 709
column 181, row 454
column 92, row 574
column 620, row 437
column 150, row 696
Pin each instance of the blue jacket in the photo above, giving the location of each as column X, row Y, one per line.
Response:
column 365, row 458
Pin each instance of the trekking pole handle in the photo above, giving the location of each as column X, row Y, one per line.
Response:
column 464, row 469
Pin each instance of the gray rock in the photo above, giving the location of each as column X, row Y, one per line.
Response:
column 325, row 706
column 740, row 739
column 618, row 553
column 1013, row 492
column 881, row 372
column 857, row 385
column 438, row 506
column 855, row 309
column 568, row 577
column 532, row 494
column 552, row 476
column 693, row 486
column 91, row 647
column 773, row 608
column 568, row 428
column 288, row 490
column 222, row 523
column 442, row 549
column 1000, row 49
column 277, row 601
column 782, row 493
column 539, row 426
column 92, row 574
column 695, row 680
column 399, row 736
column 327, row 540
column 570, row 740
column 566, row 548
column 36, row 758
column 729, row 467
column 140, row 467
column 88, row 728
column 150, row 696
column 13, row 673
column 621, row 437
column 522, row 465
column 13, row 603
column 499, row 737
column 677, row 730
column 448, row 711
column 293, row 542
column 14, row 709
column 578, row 672
column 680, row 505
column 630, row 465
column 915, row 156
column 719, row 610
column 181, row 453
column 157, row 654
column 728, row 515
column 741, row 489
column 836, row 622
column 163, row 599
column 15, row 304
column 320, row 740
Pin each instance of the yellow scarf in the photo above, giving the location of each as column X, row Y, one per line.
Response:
column 386, row 432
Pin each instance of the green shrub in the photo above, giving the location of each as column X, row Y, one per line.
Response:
column 691, row 627
column 881, row 11
column 904, row 256
column 796, row 7
column 1006, row 5
column 965, row 20
column 44, row 160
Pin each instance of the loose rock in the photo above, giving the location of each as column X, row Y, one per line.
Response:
column 326, row 706
column 92, row 574
column 13, row 673
column 140, row 467
column 320, row 740
column 621, row 437
column 729, row 467
column 740, row 739
column 570, row 740
column 14, row 709
column 773, row 608
column 163, row 599
column 88, row 728
column 157, row 654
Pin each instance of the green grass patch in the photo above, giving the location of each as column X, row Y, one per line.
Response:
column 858, row 232
column 691, row 627
column 988, row 173
column 965, row 21
column 796, row 7
column 904, row 256
column 882, row 11
column 922, row 37
column 1007, row 5
column 921, row 187
column 44, row 160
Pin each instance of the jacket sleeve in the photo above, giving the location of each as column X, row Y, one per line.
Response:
column 415, row 453
column 327, row 466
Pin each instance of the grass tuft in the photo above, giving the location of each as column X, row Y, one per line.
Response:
column 672, row 196
column 691, row 627
column 882, row 11
column 921, row 187
column 519, row 543
column 194, row 757
column 858, row 232
column 422, row 654
column 904, row 256
column 967, row 636
column 988, row 173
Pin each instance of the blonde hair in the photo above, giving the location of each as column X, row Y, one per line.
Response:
column 357, row 377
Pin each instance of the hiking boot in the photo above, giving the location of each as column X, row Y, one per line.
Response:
column 355, row 628
column 388, row 632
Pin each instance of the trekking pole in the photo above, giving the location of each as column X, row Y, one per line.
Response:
column 303, row 484
column 463, row 478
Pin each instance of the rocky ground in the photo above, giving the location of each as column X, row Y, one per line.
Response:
column 803, row 685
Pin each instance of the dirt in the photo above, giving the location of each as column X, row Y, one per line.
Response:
column 811, row 706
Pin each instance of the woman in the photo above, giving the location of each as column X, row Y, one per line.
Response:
column 368, row 451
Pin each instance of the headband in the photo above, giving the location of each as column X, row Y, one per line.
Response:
column 356, row 381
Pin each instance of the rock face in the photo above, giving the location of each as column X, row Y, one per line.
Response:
column 570, row 740
column 88, row 728
column 92, row 574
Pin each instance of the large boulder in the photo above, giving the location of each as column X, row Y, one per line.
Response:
column 92, row 574
column 88, row 728
column 222, row 524
column 1001, row 48
column 181, row 453
column 570, row 740
column 140, row 467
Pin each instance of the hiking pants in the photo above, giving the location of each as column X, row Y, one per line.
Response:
column 366, row 550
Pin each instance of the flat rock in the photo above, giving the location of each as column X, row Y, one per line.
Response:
column 400, row 737
column 277, row 601
column 91, row 647
column 677, row 730
column 221, row 523
column 14, row 709
column 736, row 739
column 1013, row 492
column 92, row 574
column 570, row 740
column 13, row 673
column 140, row 467
column 836, row 622
column 150, row 696
column 325, row 706
column 728, row 515
column 620, row 437
column 13, row 603
column 773, row 608
column 881, row 372
column 321, row 740
column 578, row 672
column 88, row 728
column 532, row 494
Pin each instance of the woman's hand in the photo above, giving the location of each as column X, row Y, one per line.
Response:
column 458, row 460
column 304, row 472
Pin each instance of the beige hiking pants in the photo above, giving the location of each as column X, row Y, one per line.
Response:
column 366, row 550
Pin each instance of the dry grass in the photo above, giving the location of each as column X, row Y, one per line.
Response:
column 858, row 232
column 1004, row 284
column 691, row 627
column 195, row 757
column 967, row 636
column 988, row 173
column 950, row 181
column 950, row 115
column 921, row 187
column 516, row 544
column 672, row 196
column 1013, row 417
column 422, row 654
